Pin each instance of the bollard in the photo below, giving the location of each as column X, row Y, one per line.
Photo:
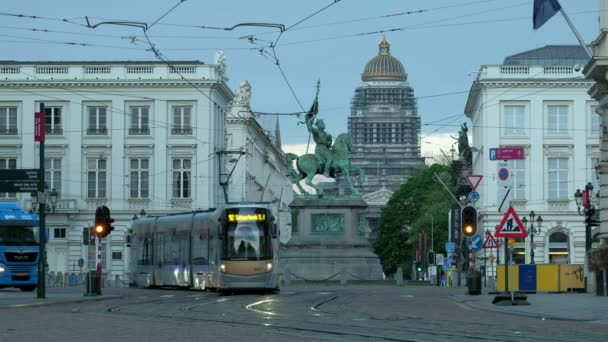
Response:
column 399, row 276
column 51, row 278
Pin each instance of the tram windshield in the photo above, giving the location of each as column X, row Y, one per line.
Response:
column 247, row 235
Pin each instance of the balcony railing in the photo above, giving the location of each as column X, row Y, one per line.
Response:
column 139, row 131
column 8, row 131
column 181, row 131
column 97, row 131
column 53, row 131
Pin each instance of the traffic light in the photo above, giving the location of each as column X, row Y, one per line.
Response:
column 592, row 217
column 469, row 221
column 418, row 267
column 103, row 222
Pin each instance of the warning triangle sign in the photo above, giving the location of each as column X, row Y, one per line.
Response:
column 511, row 226
column 474, row 180
column 490, row 242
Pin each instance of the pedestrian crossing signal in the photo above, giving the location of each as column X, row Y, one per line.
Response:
column 469, row 221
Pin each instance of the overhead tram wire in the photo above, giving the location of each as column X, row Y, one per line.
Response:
column 166, row 13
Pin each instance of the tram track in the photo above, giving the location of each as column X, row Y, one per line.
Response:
column 203, row 312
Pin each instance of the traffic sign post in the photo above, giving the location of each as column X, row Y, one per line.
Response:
column 511, row 226
column 507, row 153
column 19, row 180
column 474, row 180
column 475, row 243
column 490, row 242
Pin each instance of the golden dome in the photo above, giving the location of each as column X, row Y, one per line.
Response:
column 384, row 67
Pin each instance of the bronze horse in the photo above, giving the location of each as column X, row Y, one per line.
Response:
column 308, row 166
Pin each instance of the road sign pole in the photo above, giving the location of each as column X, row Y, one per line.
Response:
column 99, row 265
column 506, row 265
column 41, row 292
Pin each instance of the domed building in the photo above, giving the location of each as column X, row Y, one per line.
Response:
column 385, row 129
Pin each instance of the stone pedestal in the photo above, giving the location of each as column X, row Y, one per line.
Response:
column 328, row 241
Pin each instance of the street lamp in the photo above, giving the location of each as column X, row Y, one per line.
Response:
column 582, row 198
column 532, row 231
column 51, row 196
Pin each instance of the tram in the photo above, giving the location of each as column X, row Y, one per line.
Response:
column 228, row 249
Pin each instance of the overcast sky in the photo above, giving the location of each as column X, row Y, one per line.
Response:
column 441, row 43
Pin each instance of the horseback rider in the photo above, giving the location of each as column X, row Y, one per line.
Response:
column 323, row 142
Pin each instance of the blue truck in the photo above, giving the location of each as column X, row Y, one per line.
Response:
column 19, row 247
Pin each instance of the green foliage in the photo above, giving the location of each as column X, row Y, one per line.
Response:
column 408, row 213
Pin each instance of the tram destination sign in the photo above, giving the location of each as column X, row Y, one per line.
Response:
column 19, row 180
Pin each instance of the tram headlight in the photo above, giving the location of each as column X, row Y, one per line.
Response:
column 223, row 268
column 1, row 269
column 269, row 267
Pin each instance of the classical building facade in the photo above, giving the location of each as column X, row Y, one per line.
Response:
column 385, row 128
column 255, row 169
column 537, row 100
column 134, row 136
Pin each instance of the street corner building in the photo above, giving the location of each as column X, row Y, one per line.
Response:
column 140, row 137
column 537, row 100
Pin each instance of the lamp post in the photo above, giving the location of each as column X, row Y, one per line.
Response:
column 532, row 231
column 51, row 197
column 582, row 198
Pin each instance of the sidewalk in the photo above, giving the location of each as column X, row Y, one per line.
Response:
column 582, row 307
column 14, row 298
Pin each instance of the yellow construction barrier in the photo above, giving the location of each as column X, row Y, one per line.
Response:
column 549, row 278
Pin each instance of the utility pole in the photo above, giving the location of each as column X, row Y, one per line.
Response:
column 39, row 136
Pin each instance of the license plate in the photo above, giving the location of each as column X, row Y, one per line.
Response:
column 22, row 274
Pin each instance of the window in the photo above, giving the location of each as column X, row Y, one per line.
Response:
column 514, row 119
column 558, row 178
column 181, row 120
column 8, row 120
column 140, row 118
column 59, row 233
column 518, row 175
column 139, row 177
column 557, row 119
column 596, row 121
column 595, row 181
column 97, row 120
column 116, row 255
column 181, row 178
column 52, row 121
column 8, row 163
column 559, row 250
column 52, row 173
column 96, row 178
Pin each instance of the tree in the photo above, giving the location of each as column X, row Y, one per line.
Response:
column 407, row 213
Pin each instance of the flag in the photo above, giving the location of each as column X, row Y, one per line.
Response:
column 543, row 11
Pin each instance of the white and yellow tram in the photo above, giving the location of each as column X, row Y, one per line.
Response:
column 233, row 248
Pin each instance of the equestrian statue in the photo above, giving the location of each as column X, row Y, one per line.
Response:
column 329, row 160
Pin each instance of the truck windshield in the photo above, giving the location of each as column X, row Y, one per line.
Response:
column 18, row 236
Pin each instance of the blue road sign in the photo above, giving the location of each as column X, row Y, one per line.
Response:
column 473, row 196
column 475, row 243
column 450, row 247
column 503, row 174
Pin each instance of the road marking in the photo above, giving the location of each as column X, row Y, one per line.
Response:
column 167, row 296
column 323, row 293
column 250, row 307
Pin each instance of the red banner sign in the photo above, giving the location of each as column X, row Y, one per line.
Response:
column 507, row 153
column 39, row 126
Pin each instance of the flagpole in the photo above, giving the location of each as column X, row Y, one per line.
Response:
column 578, row 36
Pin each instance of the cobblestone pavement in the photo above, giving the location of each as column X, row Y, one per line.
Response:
column 311, row 313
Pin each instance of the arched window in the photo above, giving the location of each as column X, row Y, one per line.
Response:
column 558, row 248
